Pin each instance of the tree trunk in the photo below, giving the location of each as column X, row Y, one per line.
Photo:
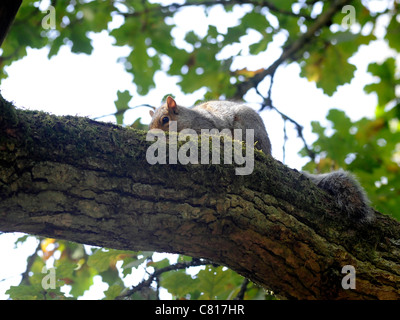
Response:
column 80, row 180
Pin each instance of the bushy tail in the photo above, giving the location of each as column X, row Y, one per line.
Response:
column 349, row 195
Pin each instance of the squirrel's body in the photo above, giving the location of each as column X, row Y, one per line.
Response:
column 221, row 115
column 214, row 115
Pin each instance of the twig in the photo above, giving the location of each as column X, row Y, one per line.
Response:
column 289, row 52
column 243, row 288
column 293, row 48
column 285, row 139
column 267, row 102
column 123, row 111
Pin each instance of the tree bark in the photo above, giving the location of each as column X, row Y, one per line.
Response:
column 80, row 180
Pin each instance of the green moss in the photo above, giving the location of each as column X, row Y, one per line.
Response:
column 8, row 121
column 7, row 113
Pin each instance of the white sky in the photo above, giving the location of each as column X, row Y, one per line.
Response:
column 71, row 84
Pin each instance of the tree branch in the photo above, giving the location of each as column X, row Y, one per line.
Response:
column 293, row 48
column 243, row 288
column 89, row 182
column 268, row 103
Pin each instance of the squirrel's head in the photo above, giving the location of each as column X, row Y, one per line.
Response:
column 162, row 116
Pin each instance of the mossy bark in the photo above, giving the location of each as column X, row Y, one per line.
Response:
column 76, row 179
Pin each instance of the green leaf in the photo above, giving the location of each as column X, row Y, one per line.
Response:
column 385, row 88
column 178, row 283
column 328, row 66
column 113, row 291
column 261, row 45
column 342, row 123
column 111, row 276
column 34, row 292
column 21, row 240
column 55, row 46
column 234, row 34
column 97, row 14
column 82, row 281
column 66, row 270
column 23, row 292
column 393, row 33
column 36, row 269
column 255, row 20
column 101, row 260
column 143, row 66
column 329, row 69
column 159, row 264
column 133, row 263
column 137, row 124
column 80, row 41
column 212, row 283
column 282, row 4
column 121, row 104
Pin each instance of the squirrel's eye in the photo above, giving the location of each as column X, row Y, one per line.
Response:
column 165, row 120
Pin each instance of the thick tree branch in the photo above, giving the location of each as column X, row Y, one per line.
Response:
column 76, row 179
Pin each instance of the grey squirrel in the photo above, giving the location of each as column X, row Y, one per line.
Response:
column 220, row 115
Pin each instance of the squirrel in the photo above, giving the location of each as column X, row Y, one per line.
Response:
column 343, row 186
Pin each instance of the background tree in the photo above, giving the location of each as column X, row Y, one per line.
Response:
column 321, row 36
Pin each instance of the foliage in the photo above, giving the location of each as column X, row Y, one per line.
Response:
column 369, row 148
column 76, row 265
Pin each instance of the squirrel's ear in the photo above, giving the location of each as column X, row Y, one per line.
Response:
column 151, row 113
column 172, row 105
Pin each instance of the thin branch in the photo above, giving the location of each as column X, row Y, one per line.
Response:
column 123, row 111
column 299, row 130
column 243, row 288
column 267, row 102
column 293, row 48
column 285, row 139
column 288, row 53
